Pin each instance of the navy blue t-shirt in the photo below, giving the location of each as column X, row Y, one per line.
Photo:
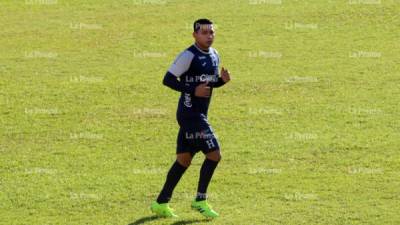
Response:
column 194, row 66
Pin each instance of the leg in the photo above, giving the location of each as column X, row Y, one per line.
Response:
column 182, row 162
column 206, row 173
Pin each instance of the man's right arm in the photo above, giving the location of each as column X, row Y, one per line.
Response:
column 170, row 80
column 179, row 67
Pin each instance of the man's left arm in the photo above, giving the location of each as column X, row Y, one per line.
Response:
column 223, row 79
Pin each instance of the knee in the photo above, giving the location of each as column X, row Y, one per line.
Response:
column 184, row 161
column 214, row 156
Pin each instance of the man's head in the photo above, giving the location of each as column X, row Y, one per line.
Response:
column 203, row 33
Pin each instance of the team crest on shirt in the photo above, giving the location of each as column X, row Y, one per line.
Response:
column 188, row 101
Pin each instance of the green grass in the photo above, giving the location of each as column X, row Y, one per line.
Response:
column 309, row 126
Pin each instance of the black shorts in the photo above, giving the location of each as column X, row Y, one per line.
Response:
column 195, row 135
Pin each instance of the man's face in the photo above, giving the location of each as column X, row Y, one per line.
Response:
column 205, row 35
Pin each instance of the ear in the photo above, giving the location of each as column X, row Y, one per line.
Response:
column 194, row 34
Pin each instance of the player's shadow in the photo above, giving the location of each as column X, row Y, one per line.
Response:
column 145, row 219
column 183, row 222
column 180, row 222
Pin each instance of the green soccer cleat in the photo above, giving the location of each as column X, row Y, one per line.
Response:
column 162, row 210
column 205, row 209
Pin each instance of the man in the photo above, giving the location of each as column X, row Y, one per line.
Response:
column 194, row 73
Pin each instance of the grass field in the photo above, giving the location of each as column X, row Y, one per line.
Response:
column 309, row 126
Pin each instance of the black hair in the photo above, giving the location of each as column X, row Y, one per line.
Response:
column 197, row 23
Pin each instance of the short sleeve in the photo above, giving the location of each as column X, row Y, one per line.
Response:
column 181, row 63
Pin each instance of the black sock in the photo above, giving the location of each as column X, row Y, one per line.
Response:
column 206, row 172
column 173, row 177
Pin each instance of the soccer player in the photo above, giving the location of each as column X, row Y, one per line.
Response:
column 194, row 73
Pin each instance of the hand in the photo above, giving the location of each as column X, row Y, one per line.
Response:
column 202, row 90
column 225, row 75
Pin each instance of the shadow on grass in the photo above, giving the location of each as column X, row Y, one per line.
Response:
column 183, row 222
column 180, row 222
column 145, row 219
